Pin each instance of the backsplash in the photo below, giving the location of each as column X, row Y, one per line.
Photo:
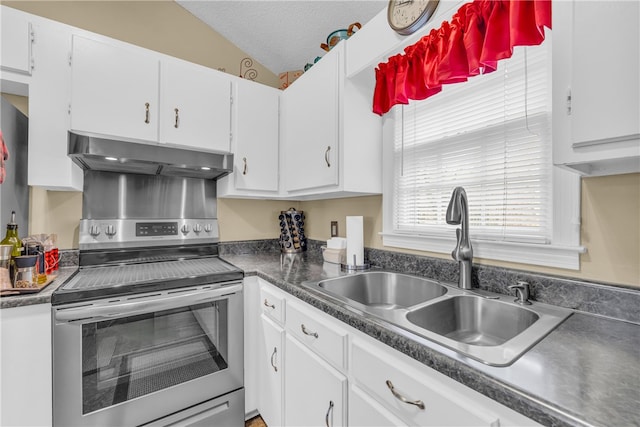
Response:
column 69, row 257
column 613, row 301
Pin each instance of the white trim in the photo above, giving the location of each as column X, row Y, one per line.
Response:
column 567, row 257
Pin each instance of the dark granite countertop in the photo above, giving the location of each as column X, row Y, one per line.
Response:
column 42, row 297
column 585, row 373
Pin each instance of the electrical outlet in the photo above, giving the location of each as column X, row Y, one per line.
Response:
column 334, row 228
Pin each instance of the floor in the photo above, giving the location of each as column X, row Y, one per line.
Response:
column 255, row 422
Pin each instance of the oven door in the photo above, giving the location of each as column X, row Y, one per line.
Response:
column 130, row 360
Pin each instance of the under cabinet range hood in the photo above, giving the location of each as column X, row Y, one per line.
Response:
column 98, row 153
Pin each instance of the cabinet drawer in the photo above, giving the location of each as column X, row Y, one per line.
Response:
column 318, row 334
column 446, row 403
column 272, row 304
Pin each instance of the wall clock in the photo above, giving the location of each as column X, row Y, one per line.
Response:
column 407, row 16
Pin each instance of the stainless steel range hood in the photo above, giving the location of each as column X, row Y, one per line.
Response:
column 98, row 153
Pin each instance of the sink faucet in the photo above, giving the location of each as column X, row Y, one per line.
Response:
column 458, row 213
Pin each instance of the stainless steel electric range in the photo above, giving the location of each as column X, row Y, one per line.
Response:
column 149, row 331
column 149, row 334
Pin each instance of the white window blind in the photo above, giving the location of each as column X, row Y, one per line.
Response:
column 490, row 135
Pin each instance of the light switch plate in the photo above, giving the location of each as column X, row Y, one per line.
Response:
column 334, row 228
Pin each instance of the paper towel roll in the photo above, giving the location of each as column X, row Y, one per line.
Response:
column 355, row 240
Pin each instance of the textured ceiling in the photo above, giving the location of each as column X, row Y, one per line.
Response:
column 281, row 35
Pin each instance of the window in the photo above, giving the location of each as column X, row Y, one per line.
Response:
column 492, row 136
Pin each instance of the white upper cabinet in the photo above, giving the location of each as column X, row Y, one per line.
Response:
column 311, row 126
column 331, row 138
column 255, row 142
column 49, row 95
column 195, row 106
column 16, row 41
column 596, row 102
column 114, row 90
column 121, row 90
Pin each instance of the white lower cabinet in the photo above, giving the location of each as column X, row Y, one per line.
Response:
column 314, row 392
column 364, row 411
column 424, row 397
column 25, row 366
column 332, row 374
column 271, row 372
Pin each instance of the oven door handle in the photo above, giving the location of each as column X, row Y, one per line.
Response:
column 140, row 306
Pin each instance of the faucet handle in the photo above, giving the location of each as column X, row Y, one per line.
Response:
column 523, row 291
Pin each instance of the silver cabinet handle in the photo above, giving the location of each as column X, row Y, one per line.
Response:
column 244, row 168
column 146, row 112
column 418, row 403
column 273, row 355
column 307, row 332
column 326, row 156
column 177, row 123
column 266, row 304
column 326, row 417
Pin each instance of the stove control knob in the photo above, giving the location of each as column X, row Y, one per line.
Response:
column 208, row 228
column 197, row 228
column 110, row 231
column 94, row 230
column 185, row 229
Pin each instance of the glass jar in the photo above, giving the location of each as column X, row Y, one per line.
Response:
column 26, row 273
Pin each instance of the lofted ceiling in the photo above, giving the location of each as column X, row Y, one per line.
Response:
column 282, row 35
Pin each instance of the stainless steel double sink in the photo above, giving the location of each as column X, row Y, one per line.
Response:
column 490, row 328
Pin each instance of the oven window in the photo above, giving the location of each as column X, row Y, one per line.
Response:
column 129, row 357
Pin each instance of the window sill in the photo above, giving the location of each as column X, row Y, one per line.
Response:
column 567, row 257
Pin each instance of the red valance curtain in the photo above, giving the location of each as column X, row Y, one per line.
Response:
column 479, row 35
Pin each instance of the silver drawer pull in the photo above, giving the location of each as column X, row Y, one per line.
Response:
column 326, row 156
column 307, row 332
column 326, row 417
column 266, row 304
column 273, row 355
column 401, row 398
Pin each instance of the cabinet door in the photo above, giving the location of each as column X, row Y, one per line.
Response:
column 314, row 391
column 596, row 107
column 195, row 106
column 365, row 411
column 114, row 90
column 271, row 372
column 256, row 136
column 605, row 105
column 252, row 342
column 25, row 339
column 420, row 397
column 49, row 92
column 15, row 50
column 311, row 126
